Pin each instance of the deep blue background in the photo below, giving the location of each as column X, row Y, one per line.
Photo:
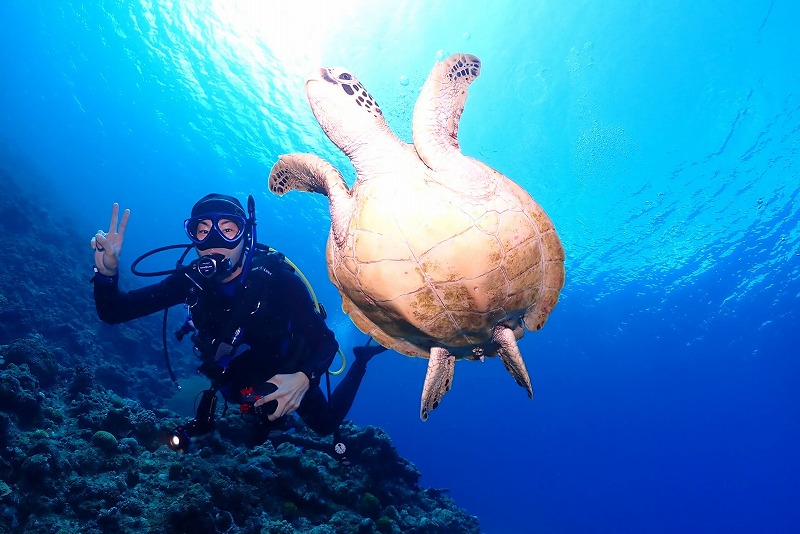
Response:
column 661, row 137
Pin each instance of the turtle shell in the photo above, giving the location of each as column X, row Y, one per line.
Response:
column 425, row 265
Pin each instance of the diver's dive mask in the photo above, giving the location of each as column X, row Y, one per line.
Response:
column 215, row 230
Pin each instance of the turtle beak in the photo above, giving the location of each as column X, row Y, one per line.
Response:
column 319, row 75
column 325, row 75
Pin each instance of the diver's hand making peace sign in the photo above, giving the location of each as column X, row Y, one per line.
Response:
column 108, row 246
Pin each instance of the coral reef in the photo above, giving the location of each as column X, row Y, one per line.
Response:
column 105, row 467
column 83, row 427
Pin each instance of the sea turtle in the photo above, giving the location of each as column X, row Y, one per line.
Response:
column 435, row 254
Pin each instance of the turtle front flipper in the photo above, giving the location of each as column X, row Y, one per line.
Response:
column 439, row 108
column 307, row 172
column 511, row 357
column 438, row 380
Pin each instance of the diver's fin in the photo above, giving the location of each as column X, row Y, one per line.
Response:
column 511, row 357
column 366, row 352
column 438, row 380
column 307, row 172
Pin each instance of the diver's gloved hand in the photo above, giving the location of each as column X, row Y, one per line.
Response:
column 366, row 352
column 108, row 246
column 291, row 389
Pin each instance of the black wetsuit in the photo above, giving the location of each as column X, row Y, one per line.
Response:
column 281, row 332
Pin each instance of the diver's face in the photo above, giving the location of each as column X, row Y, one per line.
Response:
column 229, row 229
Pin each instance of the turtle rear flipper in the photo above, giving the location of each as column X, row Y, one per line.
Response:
column 307, row 172
column 511, row 357
column 438, row 380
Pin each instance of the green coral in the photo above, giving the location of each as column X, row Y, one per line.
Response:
column 104, row 441
column 289, row 509
column 369, row 506
column 384, row 525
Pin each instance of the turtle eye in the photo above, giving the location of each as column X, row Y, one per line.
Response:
column 345, row 76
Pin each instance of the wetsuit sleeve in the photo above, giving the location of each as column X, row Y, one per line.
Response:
column 314, row 343
column 115, row 306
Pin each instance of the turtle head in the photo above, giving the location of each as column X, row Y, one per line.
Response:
column 346, row 111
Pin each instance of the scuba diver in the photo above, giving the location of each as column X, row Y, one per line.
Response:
column 260, row 336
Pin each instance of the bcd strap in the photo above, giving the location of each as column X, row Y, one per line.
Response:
column 218, row 353
column 248, row 300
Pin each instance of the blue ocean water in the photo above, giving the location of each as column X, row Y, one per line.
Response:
column 661, row 138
